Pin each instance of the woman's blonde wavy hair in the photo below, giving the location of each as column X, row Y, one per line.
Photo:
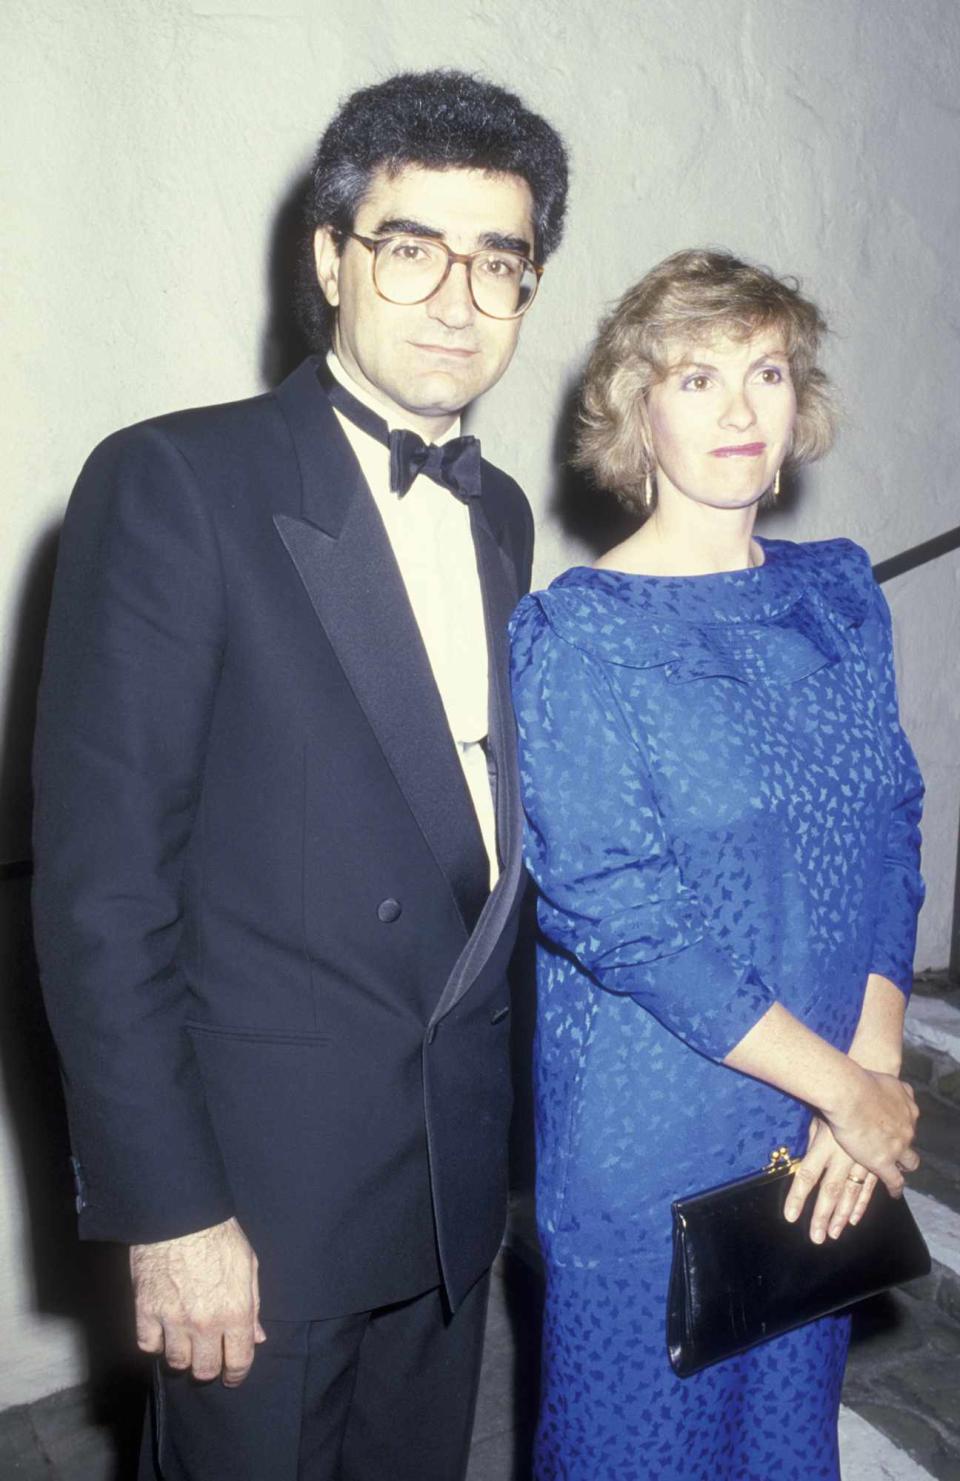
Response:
column 687, row 300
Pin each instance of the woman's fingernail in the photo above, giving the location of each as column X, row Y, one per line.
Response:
column 854, row 1219
column 816, row 1234
column 836, row 1230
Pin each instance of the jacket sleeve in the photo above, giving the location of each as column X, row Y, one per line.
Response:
column 611, row 892
column 518, row 528
column 901, row 889
column 525, row 565
column 130, row 670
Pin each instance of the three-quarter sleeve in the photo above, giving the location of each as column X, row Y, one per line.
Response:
column 611, row 892
column 901, row 891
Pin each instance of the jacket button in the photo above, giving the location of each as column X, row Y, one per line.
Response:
column 389, row 911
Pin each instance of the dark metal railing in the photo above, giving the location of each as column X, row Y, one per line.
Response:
column 917, row 555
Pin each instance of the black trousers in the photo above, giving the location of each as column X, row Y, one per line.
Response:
column 385, row 1395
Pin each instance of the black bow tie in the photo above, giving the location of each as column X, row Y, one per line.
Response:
column 454, row 464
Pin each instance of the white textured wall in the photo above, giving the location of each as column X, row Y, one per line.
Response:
column 150, row 143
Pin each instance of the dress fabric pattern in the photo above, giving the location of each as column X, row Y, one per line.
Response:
column 722, row 813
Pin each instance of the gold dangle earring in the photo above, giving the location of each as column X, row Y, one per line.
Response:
column 776, row 484
column 648, row 492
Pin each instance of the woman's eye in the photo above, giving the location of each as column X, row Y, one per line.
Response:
column 696, row 382
column 771, row 375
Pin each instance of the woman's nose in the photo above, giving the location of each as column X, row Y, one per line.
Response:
column 738, row 412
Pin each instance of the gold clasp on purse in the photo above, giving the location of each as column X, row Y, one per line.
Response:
column 781, row 1161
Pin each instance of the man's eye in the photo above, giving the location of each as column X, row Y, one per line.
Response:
column 500, row 267
column 406, row 251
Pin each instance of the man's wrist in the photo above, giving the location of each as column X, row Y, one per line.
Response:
column 195, row 1237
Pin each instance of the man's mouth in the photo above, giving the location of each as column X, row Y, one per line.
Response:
column 456, row 352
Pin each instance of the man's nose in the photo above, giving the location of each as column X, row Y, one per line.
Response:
column 738, row 412
column 452, row 305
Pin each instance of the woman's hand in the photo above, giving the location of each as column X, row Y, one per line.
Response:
column 872, row 1114
column 873, row 1117
column 845, row 1187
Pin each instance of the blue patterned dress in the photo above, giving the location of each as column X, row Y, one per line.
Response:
column 722, row 813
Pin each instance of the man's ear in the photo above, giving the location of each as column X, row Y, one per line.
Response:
column 327, row 258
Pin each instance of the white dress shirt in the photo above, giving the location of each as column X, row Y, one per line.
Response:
column 429, row 531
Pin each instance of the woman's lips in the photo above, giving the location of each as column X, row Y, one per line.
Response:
column 743, row 450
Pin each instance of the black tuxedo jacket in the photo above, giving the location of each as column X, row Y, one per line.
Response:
column 273, row 967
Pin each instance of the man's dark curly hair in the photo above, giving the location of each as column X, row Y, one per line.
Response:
column 437, row 120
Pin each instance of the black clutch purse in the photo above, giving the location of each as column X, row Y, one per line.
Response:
column 741, row 1274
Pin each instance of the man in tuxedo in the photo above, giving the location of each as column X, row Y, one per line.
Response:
column 278, row 827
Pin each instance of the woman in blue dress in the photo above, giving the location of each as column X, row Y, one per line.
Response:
column 722, row 822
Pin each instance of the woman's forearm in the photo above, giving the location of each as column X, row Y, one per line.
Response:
column 782, row 1051
column 871, row 1113
column 878, row 1041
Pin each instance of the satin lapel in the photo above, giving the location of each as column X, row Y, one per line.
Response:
column 354, row 584
column 499, row 586
column 500, row 596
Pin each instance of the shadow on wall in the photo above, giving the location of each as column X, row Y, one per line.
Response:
column 586, row 514
column 86, row 1283
column 283, row 345
column 26, row 646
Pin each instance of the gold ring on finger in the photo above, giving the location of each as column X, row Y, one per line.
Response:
column 852, row 1179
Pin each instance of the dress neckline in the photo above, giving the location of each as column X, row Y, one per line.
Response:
column 767, row 546
column 750, row 594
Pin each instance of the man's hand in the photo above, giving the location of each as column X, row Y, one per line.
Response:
column 197, row 1301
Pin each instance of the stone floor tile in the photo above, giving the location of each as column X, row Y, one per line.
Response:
column 938, row 1130
column 915, row 1437
column 88, row 1456
column 940, row 1226
column 918, row 1066
column 867, row 1455
column 77, row 1449
column 936, row 1181
column 938, row 984
column 931, row 1387
column 934, row 1023
column 904, row 1377
column 20, row 1457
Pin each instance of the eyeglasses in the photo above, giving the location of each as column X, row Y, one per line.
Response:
column 408, row 270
